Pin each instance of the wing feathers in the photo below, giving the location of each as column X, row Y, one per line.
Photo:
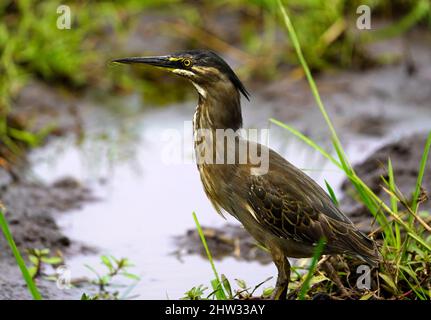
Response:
column 292, row 206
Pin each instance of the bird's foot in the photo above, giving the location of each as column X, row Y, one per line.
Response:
column 280, row 292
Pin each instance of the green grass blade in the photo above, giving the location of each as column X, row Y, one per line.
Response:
column 331, row 193
column 367, row 195
column 19, row 260
column 419, row 240
column 227, row 286
column 421, row 173
column 316, row 256
column 216, row 283
column 345, row 165
column 394, row 202
column 218, row 289
column 313, row 86
column 415, row 287
column 343, row 158
column 307, row 140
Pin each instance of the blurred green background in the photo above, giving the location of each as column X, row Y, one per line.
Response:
column 248, row 33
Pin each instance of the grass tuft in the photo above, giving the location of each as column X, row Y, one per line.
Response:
column 406, row 247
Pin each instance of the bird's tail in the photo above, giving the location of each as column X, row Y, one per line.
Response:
column 357, row 244
column 364, row 248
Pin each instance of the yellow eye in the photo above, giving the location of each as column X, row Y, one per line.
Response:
column 187, row 62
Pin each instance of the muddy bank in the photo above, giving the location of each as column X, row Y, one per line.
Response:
column 230, row 240
column 30, row 209
column 31, row 205
column 405, row 155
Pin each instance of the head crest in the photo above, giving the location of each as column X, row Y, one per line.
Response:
column 211, row 58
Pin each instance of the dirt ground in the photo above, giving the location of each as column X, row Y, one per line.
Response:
column 31, row 207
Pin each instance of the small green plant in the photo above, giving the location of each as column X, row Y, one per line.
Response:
column 243, row 292
column 195, row 293
column 40, row 257
column 85, row 296
column 115, row 268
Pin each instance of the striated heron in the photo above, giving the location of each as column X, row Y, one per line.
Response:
column 280, row 206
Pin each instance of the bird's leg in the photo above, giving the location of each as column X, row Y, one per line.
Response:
column 333, row 275
column 283, row 278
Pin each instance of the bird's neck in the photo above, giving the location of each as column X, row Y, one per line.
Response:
column 218, row 108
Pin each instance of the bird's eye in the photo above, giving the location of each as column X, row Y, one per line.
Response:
column 187, row 62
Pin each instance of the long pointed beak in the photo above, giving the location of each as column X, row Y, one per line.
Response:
column 160, row 61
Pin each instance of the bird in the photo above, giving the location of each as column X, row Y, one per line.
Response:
column 282, row 208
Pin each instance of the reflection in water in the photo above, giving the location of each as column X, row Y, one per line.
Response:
column 146, row 202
